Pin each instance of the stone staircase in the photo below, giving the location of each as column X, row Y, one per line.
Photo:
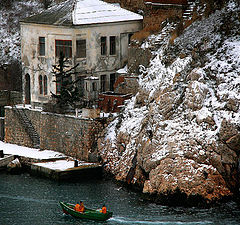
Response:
column 170, row 27
column 26, row 123
column 188, row 12
column 165, row 33
column 161, row 40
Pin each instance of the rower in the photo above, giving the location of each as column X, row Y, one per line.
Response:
column 82, row 208
column 79, row 207
column 104, row 209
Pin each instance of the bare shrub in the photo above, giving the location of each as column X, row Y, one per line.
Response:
column 6, row 4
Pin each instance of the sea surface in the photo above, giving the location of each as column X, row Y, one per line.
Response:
column 29, row 200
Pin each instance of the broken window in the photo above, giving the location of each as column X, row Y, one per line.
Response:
column 103, row 83
column 112, row 45
column 112, row 81
column 40, row 80
column 64, row 46
column 45, row 85
column 103, row 45
column 81, row 48
column 42, row 46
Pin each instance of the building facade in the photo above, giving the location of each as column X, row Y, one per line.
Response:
column 93, row 34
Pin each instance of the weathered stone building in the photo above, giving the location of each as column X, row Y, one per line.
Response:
column 92, row 33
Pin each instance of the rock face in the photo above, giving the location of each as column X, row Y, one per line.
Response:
column 180, row 135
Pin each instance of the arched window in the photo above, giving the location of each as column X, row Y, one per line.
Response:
column 45, row 85
column 40, row 81
column 27, row 89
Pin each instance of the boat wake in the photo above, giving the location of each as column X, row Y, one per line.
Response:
column 122, row 220
column 22, row 198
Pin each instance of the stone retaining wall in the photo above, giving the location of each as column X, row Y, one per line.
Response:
column 72, row 136
column 10, row 97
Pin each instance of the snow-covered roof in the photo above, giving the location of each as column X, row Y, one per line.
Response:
column 83, row 12
column 96, row 11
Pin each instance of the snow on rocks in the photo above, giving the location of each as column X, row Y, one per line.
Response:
column 183, row 125
column 10, row 49
column 187, row 176
column 15, row 165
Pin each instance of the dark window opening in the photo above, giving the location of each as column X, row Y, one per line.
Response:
column 81, row 48
column 27, row 89
column 103, row 83
column 2, row 111
column 94, row 86
column 42, row 46
column 45, row 85
column 103, row 45
column 64, row 46
column 112, row 81
column 112, row 45
column 129, row 37
column 40, row 80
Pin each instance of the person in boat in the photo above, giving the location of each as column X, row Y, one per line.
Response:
column 82, row 208
column 79, row 207
column 104, row 209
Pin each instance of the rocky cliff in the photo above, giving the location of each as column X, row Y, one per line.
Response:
column 178, row 139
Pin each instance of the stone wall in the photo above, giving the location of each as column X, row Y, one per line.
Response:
column 14, row 132
column 126, row 84
column 156, row 15
column 72, row 136
column 138, row 56
column 10, row 97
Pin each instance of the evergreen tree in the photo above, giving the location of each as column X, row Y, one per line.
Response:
column 67, row 93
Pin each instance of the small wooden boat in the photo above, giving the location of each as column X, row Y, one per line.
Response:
column 89, row 214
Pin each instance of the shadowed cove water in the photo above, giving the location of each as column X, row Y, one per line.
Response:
column 27, row 200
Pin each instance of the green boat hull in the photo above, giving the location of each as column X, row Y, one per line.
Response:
column 89, row 214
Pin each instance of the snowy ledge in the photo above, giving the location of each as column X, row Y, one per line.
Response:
column 12, row 149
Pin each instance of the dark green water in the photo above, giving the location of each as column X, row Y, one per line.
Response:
column 27, row 200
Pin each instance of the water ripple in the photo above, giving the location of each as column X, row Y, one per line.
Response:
column 22, row 198
column 123, row 220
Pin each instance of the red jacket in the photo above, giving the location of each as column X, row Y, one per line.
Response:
column 104, row 209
